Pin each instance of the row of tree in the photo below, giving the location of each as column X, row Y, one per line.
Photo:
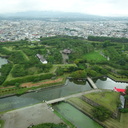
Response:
column 111, row 39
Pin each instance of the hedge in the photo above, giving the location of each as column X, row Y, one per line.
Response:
column 28, row 79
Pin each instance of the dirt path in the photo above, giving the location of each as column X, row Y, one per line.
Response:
column 28, row 85
column 24, row 117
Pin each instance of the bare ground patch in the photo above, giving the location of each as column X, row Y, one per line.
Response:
column 28, row 85
column 24, row 117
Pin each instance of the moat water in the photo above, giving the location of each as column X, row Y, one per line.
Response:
column 76, row 117
column 68, row 111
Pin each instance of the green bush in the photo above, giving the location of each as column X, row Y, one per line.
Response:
column 101, row 113
column 124, row 110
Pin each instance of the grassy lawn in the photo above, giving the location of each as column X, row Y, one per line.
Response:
column 9, row 48
column 94, row 57
column 55, row 66
column 109, row 99
column 124, row 120
column 65, row 65
column 86, row 108
column 24, row 55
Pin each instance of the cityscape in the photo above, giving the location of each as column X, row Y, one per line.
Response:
column 15, row 30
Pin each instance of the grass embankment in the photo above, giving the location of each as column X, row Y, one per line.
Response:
column 118, row 78
column 124, row 120
column 12, row 90
column 94, row 57
column 110, row 100
column 52, row 70
column 32, row 86
column 1, row 124
column 87, row 109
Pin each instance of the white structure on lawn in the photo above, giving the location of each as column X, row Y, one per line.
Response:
column 42, row 59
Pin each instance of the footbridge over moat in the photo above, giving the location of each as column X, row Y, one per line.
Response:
column 91, row 82
column 67, row 97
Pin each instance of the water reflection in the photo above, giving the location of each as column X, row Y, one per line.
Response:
column 109, row 84
column 79, row 82
column 56, row 92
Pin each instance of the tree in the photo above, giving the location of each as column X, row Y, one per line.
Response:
column 126, row 91
column 92, row 73
column 106, row 43
column 59, row 71
column 101, row 113
column 79, row 74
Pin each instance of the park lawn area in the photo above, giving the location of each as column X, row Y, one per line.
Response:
column 10, row 48
column 94, row 57
column 65, row 65
column 55, row 66
column 87, row 109
column 24, row 55
column 108, row 99
column 124, row 120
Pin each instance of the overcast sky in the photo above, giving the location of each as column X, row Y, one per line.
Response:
column 96, row 7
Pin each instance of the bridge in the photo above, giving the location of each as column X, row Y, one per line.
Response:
column 91, row 83
column 67, row 97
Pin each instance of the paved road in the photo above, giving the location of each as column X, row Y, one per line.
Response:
column 24, row 117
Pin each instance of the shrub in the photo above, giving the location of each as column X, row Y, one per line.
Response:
column 101, row 113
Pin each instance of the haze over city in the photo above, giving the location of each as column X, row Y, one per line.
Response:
column 94, row 7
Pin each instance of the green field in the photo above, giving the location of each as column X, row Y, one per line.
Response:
column 108, row 99
column 124, row 120
column 94, row 57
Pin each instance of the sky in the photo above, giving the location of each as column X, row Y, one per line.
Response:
column 95, row 7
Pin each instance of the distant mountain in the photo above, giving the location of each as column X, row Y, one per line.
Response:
column 47, row 14
column 66, row 16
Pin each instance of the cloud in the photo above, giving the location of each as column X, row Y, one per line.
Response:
column 100, row 7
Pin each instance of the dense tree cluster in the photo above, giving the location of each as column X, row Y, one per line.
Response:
column 112, row 39
column 79, row 74
column 101, row 113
